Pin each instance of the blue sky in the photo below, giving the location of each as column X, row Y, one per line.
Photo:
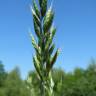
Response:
column 76, row 33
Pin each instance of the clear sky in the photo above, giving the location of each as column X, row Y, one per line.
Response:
column 76, row 33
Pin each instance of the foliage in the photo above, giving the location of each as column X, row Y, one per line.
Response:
column 80, row 82
column 2, row 74
column 12, row 84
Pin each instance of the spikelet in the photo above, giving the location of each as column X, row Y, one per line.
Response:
column 48, row 20
column 43, row 7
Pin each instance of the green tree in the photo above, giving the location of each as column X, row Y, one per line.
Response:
column 2, row 74
column 80, row 82
column 14, row 85
column 44, row 59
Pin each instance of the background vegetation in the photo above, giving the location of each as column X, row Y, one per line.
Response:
column 80, row 82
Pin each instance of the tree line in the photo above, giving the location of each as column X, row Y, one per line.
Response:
column 80, row 82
